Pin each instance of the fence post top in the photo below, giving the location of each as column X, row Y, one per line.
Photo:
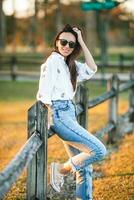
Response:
column 115, row 77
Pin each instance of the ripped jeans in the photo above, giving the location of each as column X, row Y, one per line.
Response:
column 82, row 147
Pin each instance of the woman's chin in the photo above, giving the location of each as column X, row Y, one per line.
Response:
column 65, row 54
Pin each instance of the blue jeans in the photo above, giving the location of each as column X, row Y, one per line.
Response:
column 82, row 147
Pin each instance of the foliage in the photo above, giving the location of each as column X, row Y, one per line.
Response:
column 40, row 30
column 18, row 90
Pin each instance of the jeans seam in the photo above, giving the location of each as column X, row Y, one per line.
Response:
column 76, row 132
column 76, row 167
column 85, row 184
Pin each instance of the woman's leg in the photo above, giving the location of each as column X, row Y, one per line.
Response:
column 92, row 149
column 83, row 176
column 68, row 129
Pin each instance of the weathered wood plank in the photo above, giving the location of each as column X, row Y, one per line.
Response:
column 125, row 86
column 78, row 99
column 131, row 97
column 32, row 118
column 113, row 84
column 81, row 102
column 31, row 170
column 100, row 99
column 126, row 116
column 84, row 101
column 122, row 121
column 10, row 174
column 50, row 133
column 79, row 109
column 41, row 182
column 109, row 127
column 37, row 170
column 124, row 125
column 108, row 95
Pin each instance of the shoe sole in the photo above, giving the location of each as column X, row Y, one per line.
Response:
column 52, row 168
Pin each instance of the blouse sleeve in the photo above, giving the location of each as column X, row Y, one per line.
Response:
column 84, row 71
column 47, row 81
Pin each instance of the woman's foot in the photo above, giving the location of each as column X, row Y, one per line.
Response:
column 56, row 178
column 64, row 168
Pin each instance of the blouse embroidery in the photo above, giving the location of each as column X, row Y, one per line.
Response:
column 55, row 83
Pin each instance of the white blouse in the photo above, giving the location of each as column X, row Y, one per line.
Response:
column 55, row 83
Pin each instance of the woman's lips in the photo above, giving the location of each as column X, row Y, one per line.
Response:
column 66, row 51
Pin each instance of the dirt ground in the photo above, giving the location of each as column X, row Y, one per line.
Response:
column 118, row 168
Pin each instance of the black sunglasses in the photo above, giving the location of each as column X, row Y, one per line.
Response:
column 64, row 42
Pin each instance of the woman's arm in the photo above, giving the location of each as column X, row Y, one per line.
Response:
column 88, row 57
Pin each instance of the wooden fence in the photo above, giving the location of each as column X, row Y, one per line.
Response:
column 13, row 65
column 33, row 154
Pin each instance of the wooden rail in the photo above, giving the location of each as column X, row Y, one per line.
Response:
column 14, row 63
column 33, row 154
column 112, row 93
column 21, row 160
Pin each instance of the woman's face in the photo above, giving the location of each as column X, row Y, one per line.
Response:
column 62, row 44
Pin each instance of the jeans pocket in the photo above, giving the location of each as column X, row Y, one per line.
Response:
column 62, row 106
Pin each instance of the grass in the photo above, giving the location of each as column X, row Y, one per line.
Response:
column 15, row 99
column 17, row 91
column 20, row 91
column 13, row 133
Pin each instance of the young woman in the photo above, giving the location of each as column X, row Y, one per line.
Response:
column 57, row 87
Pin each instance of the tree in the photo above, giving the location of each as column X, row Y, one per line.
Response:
column 58, row 16
column 2, row 27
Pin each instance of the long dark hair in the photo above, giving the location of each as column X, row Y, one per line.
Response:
column 70, row 60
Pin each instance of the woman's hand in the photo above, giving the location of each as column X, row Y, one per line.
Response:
column 78, row 31
column 50, row 116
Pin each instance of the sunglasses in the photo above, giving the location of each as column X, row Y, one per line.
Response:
column 64, row 42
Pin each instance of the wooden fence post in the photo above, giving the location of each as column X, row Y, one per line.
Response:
column 37, row 169
column 31, row 170
column 42, row 152
column 113, row 84
column 131, row 98
column 82, row 98
column 13, row 67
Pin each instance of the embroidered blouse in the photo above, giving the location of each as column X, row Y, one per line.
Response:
column 55, row 82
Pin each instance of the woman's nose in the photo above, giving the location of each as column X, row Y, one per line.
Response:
column 67, row 45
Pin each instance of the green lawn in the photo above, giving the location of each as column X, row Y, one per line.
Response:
column 20, row 91
column 17, row 91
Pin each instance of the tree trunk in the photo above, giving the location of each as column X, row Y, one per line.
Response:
column 2, row 27
column 91, row 37
column 102, row 29
column 33, row 28
column 58, row 17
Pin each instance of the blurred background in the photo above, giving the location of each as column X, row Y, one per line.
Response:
column 27, row 30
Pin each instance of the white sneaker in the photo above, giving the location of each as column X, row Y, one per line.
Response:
column 56, row 178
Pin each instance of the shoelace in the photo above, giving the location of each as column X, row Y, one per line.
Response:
column 60, row 180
